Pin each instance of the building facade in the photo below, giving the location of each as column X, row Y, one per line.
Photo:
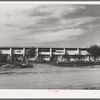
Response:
column 60, row 54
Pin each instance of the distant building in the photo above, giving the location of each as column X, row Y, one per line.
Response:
column 60, row 54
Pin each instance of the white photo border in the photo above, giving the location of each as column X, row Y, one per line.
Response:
column 53, row 93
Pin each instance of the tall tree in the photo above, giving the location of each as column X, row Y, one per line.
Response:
column 94, row 51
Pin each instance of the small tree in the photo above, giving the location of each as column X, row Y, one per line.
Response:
column 66, row 56
column 94, row 51
column 3, row 58
column 32, row 52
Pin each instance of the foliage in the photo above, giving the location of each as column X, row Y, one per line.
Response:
column 3, row 58
column 94, row 51
column 32, row 52
column 66, row 55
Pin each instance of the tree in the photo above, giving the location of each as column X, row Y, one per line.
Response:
column 94, row 51
column 3, row 58
column 66, row 56
column 32, row 52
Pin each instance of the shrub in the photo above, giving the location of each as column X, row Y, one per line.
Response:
column 3, row 58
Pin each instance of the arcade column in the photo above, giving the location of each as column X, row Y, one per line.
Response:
column 50, row 52
column 11, row 55
column 78, row 51
column 37, row 53
column 64, row 51
column 23, row 54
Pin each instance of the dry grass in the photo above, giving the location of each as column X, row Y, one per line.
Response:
column 46, row 76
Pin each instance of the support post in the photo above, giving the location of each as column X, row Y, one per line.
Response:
column 23, row 54
column 50, row 53
column 37, row 53
column 11, row 55
column 64, row 51
column 78, row 51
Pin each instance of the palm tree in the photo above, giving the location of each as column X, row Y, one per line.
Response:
column 94, row 51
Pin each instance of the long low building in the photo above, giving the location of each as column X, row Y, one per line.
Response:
column 21, row 54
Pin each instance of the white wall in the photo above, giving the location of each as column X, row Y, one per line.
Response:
column 44, row 53
column 18, row 51
column 72, row 52
column 83, row 52
column 5, row 51
column 57, row 52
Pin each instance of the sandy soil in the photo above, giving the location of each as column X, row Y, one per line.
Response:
column 44, row 76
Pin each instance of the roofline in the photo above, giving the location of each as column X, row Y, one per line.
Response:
column 42, row 47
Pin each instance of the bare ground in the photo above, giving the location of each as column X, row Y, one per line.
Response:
column 45, row 76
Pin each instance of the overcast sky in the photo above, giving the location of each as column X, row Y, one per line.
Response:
column 49, row 25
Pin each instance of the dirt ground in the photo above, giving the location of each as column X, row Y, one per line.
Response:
column 45, row 76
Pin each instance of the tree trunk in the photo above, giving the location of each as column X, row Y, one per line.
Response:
column 95, row 59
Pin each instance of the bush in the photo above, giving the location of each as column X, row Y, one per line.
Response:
column 26, row 66
column 16, row 65
column 8, row 66
column 3, row 58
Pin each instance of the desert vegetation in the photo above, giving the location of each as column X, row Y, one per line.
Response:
column 64, row 61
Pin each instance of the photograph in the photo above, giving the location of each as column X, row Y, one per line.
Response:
column 49, row 46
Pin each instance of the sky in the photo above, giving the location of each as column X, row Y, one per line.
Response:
column 49, row 25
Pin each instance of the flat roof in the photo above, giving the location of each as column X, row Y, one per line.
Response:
column 43, row 48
